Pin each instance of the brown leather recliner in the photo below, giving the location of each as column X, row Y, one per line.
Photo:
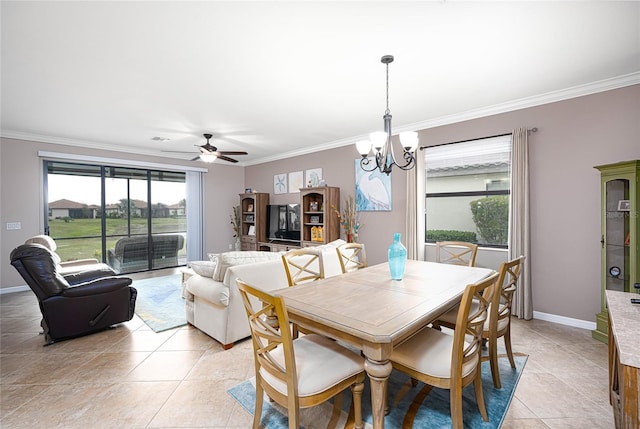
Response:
column 92, row 303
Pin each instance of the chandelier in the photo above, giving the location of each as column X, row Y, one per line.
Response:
column 382, row 146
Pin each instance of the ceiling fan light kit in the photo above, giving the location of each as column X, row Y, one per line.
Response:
column 209, row 153
column 381, row 145
column 207, row 157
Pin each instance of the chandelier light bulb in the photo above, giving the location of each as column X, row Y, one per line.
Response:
column 363, row 147
column 409, row 140
column 378, row 139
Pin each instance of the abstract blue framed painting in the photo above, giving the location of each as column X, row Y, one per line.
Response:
column 373, row 189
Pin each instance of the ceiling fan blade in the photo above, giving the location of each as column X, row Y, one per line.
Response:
column 226, row 158
column 196, row 158
column 225, row 152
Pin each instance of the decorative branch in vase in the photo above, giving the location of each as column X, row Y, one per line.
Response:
column 236, row 224
column 349, row 219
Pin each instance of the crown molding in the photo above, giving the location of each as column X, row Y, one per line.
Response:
column 510, row 106
column 527, row 102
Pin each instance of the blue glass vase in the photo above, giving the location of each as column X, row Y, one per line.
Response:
column 397, row 258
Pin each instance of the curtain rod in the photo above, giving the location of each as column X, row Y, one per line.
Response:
column 529, row 131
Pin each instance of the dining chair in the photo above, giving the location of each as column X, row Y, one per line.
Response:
column 296, row 373
column 303, row 265
column 352, row 256
column 499, row 322
column 451, row 361
column 456, row 253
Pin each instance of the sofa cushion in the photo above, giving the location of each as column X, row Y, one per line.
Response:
column 229, row 259
column 203, row 268
column 208, row 290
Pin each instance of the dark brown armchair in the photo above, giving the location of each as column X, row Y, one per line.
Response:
column 71, row 307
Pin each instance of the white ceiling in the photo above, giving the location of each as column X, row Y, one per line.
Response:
column 282, row 78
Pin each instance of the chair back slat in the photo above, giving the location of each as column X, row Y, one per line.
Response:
column 266, row 337
column 470, row 322
column 303, row 265
column 509, row 273
column 456, row 253
column 352, row 256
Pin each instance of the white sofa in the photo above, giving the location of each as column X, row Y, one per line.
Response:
column 215, row 307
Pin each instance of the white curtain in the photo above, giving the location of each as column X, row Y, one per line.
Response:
column 415, row 209
column 519, row 223
column 195, row 216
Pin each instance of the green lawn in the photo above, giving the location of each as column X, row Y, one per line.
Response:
column 80, row 238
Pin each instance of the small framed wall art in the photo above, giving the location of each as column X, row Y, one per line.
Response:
column 313, row 177
column 295, row 182
column 280, row 183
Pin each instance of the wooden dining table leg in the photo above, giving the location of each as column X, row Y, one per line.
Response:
column 378, row 372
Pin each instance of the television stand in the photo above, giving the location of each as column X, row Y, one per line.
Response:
column 278, row 246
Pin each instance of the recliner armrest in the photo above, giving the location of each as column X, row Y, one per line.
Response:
column 94, row 287
column 79, row 262
column 80, row 277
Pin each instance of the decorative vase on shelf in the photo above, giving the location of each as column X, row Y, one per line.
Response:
column 350, row 238
column 238, row 244
column 397, row 258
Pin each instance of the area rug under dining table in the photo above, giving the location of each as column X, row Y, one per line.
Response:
column 410, row 407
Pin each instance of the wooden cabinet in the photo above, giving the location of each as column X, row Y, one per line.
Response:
column 620, row 226
column 277, row 247
column 320, row 224
column 253, row 221
column 624, row 359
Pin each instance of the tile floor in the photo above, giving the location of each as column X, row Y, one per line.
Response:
column 131, row 377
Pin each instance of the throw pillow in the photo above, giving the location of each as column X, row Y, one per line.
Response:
column 203, row 268
column 213, row 257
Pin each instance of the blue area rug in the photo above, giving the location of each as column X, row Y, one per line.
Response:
column 410, row 407
column 159, row 303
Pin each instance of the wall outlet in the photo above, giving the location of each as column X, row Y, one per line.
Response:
column 13, row 225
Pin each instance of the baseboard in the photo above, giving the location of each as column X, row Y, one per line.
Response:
column 562, row 320
column 13, row 289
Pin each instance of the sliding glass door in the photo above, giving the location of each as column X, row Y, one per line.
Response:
column 134, row 219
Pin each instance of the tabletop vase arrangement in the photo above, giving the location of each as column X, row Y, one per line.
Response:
column 349, row 219
column 397, row 258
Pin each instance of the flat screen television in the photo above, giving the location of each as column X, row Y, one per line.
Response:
column 283, row 222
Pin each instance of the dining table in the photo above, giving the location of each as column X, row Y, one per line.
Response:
column 373, row 313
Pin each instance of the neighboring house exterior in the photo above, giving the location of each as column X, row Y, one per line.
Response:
column 176, row 209
column 71, row 209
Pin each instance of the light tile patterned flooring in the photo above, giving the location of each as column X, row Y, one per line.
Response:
column 131, row 377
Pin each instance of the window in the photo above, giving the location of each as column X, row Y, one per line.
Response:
column 91, row 207
column 467, row 191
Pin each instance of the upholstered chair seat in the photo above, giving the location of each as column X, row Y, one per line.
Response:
column 429, row 352
column 320, row 362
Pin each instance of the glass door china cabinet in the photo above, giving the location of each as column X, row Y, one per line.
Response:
column 620, row 192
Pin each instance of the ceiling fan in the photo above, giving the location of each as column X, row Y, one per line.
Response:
column 209, row 153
